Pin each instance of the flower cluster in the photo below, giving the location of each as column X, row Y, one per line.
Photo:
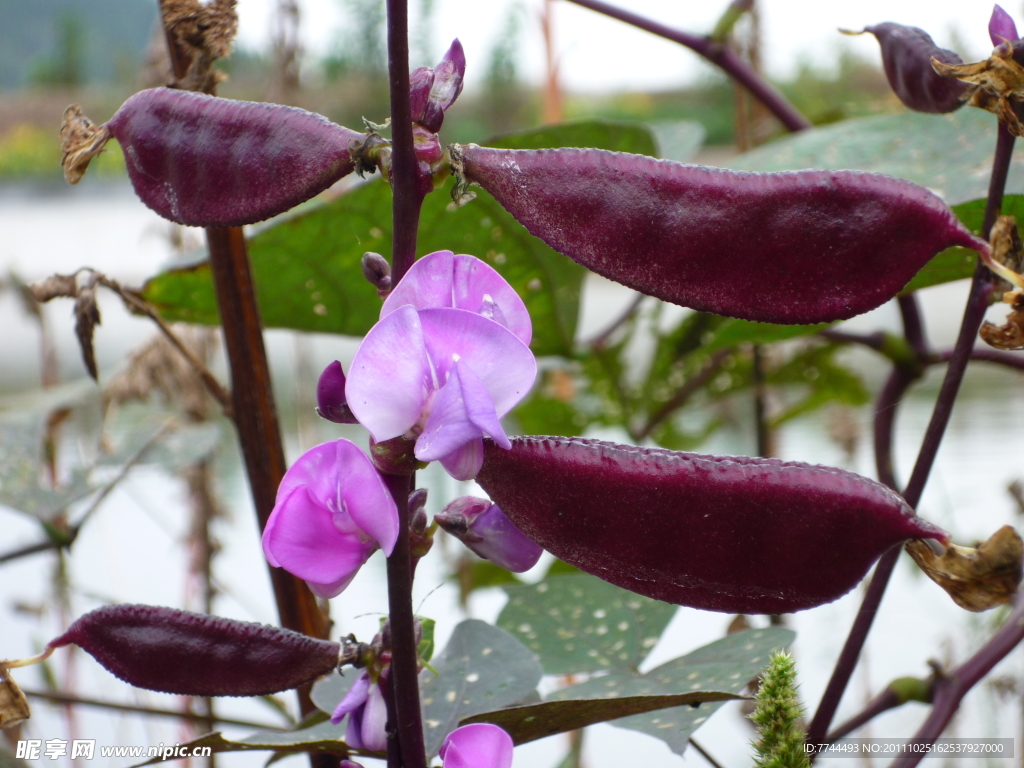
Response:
column 447, row 360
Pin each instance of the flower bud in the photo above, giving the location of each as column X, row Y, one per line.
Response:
column 1001, row 27
column 330, row 396
column 377, row 270
column 432, row 92
column 485, row 529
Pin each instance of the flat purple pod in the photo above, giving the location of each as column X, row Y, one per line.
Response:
column 208, row 162
column 193, row 654
column 795, row 247
column 907, row 54
column 731, row 534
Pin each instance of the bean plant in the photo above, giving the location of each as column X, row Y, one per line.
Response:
column 447, row 370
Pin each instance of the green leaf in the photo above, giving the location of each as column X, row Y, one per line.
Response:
column 579, row 623
column 724, row 665
column 950, row 154
column 482, row 668
column 635, row 138
column 425, row 649
column 307, row 271
column 537, row 721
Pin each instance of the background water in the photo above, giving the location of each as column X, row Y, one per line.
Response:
column 131, row 551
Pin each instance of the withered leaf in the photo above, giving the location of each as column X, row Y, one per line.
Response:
column 54, row 286
column 13, row 704
column 206, row 31
column 80, row 141
column 977, row 578
column 997, row 81
column 87, row 317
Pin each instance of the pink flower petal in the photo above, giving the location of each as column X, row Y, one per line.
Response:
column 355, row 697
column 480, row 745
column 367, row 500
column 301, row 538
column 441, row 280
column 464, row 463
column 448, row 427
column 503, row 363
column 334, row 588
column 390, row 377
column 428, row 283
column 375, row 717
column 474, row 280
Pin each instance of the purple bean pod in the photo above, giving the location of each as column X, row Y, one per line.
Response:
column 209, row 162
column 732, row 534
column 795, row 247
column 193, row 654
column 907, row 54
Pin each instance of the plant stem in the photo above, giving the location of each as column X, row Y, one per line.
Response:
column 702, row 377
column 762, row 427
column 730, row 62
column 404, row 672
column 406, row 199
column 950, row 689
column 974, row 313
column 883, row 702
column 405, row 220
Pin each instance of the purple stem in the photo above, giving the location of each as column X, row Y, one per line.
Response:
column 405, row 220
column 950, row 690
column 974, row 313
column 717, row 53
column 883, row 702
column 406, row 200
column 984, row 356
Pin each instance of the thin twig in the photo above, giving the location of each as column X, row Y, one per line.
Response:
column 65, row 698
column 883, row 702
column 705, row 754
column 950, row 690
column 602, row 338
column 684, row 393
column 731, row 63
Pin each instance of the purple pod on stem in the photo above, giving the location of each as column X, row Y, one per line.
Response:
column 193, row 654
column 732, row 534
column 794, row 247
column 208, row 162
column 907, row 54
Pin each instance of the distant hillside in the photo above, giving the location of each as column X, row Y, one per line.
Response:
column 72, row 42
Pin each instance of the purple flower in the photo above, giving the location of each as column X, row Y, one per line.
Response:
column 333, row 510
column 368, row 716
column 1001, row 27
column 485, row 529
column 448, row 359
column 480, row 745
column 432, row 91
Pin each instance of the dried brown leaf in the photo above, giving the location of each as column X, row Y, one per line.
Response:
column 998, row 81
column 14, row 707
column 54, row 286
column 977, row 578
column 80, row 141
column 1008, row 336
column 87, row 317
column 206, row 32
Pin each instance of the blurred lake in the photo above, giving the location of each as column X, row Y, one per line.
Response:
column 132, row 550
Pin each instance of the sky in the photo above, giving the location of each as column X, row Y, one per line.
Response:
column 597, row 54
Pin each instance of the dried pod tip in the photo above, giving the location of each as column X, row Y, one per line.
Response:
column 330, row 396
column 14, row 708
column 1001, row 28
column 163, row 649
column 977, row 578
column 487, row 531
column 55, row 286
column 996, row 83
column 377, row 271
column 80, row 141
